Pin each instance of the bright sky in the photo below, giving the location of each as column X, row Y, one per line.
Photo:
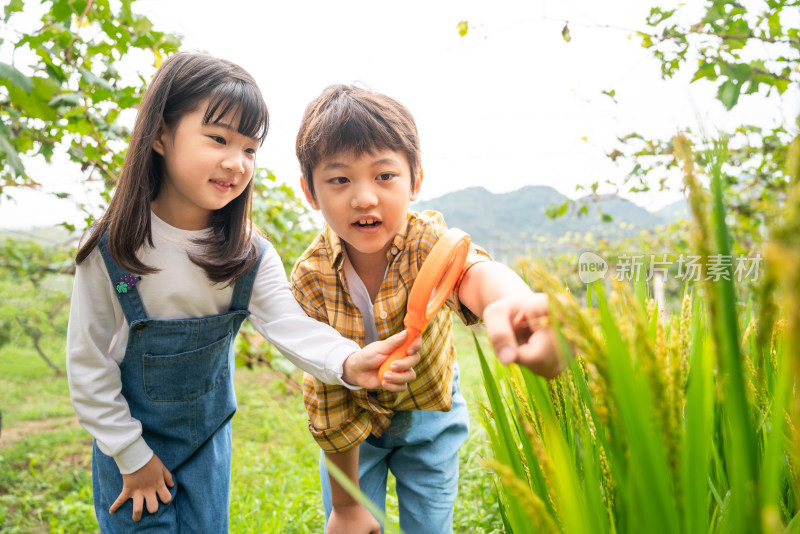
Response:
column 511, row 104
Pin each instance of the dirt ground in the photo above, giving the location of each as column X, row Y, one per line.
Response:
column 9, row 435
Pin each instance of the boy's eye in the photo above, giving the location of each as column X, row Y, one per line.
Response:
column 251, row 151
column 385, row 177
column 339, row 180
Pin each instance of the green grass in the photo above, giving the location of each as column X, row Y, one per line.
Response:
column 664, row 422
column 45, row 457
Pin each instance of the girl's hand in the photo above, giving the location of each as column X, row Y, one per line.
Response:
column 519, row 330
column 361, row 368
column 144, row 485
column 352, row 519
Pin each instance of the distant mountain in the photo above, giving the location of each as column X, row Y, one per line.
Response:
column 515, row 222
column 44, row 235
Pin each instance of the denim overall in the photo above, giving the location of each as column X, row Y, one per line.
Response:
column 177, row 378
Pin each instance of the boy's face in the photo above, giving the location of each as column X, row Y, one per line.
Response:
column 364, row 199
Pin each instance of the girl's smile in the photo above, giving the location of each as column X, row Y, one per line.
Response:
column 223, row 185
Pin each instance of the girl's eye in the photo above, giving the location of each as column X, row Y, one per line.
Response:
column 251, row 151
column 218, row 139
column 385, row 177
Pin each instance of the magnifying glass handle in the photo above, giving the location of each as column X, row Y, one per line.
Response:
column 398, row 353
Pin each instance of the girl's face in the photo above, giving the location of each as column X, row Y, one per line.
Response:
column 206, row 166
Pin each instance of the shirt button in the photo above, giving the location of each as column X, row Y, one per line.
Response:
column 394, row 250
column 383, row 315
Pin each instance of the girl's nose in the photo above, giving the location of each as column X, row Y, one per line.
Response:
column 363, row 197
column 234, row 163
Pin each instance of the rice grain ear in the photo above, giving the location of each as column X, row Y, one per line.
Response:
column 653, row 424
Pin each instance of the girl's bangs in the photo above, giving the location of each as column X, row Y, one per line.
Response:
column 242, row 101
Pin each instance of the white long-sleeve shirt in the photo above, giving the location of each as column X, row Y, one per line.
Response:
column 98, row 332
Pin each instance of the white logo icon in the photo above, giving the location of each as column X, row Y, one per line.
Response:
column 591, row 267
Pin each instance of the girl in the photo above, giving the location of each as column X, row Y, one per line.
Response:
column 163, row 283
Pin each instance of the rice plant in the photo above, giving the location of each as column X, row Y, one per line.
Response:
column 663, row 422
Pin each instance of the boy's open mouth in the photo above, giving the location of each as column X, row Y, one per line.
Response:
column 369, row 222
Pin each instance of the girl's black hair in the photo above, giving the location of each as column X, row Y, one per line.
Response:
column 182, row 83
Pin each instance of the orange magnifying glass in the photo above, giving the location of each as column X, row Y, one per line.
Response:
column 435, row 280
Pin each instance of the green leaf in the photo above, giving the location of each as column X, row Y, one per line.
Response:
column 10, row 73
column 739, row 72
column 44, row 88
column 46, row 150
column 773, row 463
column 31, row 105
column 752, row 87
column 699, row 427
column 11, row 156
column 774, row 22
column 61, row 10
column 658, row 15
column 169, row 43
column 143, row 25
column 463, row 28
column 728, row 94
column 705, row 70
column 91, row 78
column 741, row 448
column 649, row 470
column 67, row 99
column 12, row 7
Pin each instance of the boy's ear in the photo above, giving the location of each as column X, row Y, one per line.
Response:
column 417, row 185
column 307, row 193
column 160, row 141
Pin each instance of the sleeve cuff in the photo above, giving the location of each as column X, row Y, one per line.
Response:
column 336, row 367
column 465, row 314
column 133, row 457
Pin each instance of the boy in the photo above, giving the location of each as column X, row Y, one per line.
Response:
column 360, row 158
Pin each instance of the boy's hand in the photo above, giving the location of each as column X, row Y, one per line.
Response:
column 519, row 330
column 352, row 519
column 148, row 484
column 361, row 368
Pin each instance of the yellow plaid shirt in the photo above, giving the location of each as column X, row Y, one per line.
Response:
column 340, row 418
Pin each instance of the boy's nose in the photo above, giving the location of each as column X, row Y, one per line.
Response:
column 363, row 197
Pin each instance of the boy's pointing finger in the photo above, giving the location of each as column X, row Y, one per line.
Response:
column 498, row 319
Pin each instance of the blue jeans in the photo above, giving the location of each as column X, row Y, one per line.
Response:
column 421, row 450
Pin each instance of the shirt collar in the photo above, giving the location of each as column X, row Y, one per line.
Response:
column 335, row 247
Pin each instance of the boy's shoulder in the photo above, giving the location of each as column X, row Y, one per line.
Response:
column 421, row 220
column 423, row 229
column 318, row 256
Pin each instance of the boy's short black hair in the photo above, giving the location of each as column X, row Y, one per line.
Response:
column 346, row 118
